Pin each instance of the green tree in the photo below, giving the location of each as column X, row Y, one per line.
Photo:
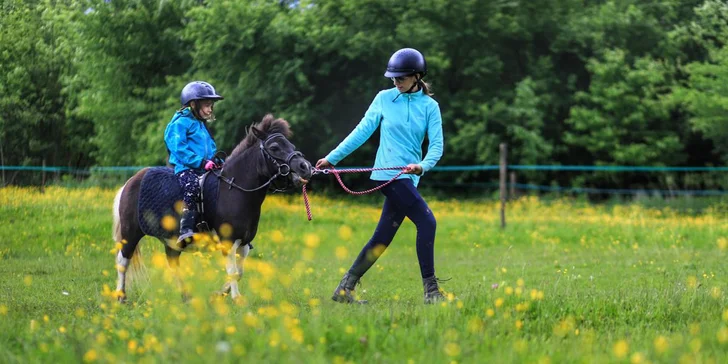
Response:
column 624, row 117
column 127, row 51
column 318, row 65
column 36, row 57
column 704, row 94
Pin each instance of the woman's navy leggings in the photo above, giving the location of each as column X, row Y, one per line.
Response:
column 402, row 199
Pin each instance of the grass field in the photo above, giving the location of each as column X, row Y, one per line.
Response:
column 564, row 282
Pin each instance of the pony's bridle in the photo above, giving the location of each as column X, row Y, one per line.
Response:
column 289, row 157
column 283, row 167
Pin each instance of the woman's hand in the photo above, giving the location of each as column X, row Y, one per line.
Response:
column 323, row 163
column 413, row 169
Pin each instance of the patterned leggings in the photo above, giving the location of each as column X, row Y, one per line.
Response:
column 189, row 180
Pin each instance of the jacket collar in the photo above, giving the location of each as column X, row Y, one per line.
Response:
column 186, row 112
column 411, row 95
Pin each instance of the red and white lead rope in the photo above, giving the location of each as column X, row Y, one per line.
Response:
column 336, row 173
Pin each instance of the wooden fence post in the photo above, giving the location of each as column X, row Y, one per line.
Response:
column 43, row 177
column 512, row 192
column 503, row 171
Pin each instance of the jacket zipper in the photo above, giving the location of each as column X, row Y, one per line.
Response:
column 409, row 98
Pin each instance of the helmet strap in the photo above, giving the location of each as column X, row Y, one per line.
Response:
column 416, row 83
column 194, row 107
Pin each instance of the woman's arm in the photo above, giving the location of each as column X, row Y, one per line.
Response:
column 434, row 134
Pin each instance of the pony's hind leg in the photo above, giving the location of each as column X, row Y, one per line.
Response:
column 173, row 261
column 234, row 267
column 126, row 231
column 124, row 258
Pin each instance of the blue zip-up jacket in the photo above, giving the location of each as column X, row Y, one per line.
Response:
column 404, row 123
column 188, row 141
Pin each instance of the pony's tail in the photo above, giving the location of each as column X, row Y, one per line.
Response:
column 136, row 266
column 116, row 227
column 137, row 271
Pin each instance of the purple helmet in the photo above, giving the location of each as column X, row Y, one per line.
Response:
column 198, row 90
column 405, row 62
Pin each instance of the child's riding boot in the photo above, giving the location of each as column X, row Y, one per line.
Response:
column 186, row 228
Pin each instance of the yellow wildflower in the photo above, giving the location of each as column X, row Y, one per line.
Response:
column 661, row 344
column 621, row 348
column 452, row 349
column 90, row 356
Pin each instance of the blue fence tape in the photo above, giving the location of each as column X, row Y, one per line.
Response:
column 521, row 186
column 616, row 168
column 618, row 191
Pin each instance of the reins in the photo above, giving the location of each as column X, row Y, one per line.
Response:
column 279, row 166
column 337, row 172
column 231, row 181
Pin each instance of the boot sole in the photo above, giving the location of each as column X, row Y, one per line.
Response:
column 343, row 299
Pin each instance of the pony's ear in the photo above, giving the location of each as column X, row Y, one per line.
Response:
column 258, row 134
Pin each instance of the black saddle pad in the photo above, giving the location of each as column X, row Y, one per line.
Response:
column 160, row 191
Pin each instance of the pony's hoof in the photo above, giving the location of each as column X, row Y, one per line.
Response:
column 223, row 292
column 239, row 300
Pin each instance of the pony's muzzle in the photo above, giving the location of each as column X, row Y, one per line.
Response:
column 302, row 170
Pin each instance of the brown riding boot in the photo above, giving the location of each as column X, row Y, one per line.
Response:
column 345, row 292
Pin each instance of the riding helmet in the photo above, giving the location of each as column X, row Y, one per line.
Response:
column 198, row 90
column 405, row 62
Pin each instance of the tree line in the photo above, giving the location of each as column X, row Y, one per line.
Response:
column 572, row 82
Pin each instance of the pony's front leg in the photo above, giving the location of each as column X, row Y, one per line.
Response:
column 173, row 261
column 234, row 267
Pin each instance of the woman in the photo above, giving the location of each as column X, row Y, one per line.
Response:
column 406, row 114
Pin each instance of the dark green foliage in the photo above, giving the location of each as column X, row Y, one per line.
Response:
column 562, row 82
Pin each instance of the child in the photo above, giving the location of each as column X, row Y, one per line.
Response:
column 191, row 148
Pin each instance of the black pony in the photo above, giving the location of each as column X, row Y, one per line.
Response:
column 233, row 196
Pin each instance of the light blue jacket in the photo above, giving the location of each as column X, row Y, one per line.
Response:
column 404, row 123
column 188, row 141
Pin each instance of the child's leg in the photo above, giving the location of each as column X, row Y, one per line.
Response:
column 190, row 195
column 190, row 184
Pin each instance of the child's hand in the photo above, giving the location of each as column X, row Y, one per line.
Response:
column 209, row 165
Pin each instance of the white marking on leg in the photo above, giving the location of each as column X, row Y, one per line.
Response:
column 121, row 266
column 234, row 266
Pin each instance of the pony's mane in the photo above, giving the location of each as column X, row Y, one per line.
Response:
column 268, row 125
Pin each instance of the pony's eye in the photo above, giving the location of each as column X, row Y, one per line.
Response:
column 274, row 147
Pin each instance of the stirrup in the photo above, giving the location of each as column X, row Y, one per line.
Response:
column 203, row 227
column 183, row 241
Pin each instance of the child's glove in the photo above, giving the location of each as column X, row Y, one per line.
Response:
column 210, row 165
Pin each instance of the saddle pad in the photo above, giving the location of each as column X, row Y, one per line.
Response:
column 159, row 193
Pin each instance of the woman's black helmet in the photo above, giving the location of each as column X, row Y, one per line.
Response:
column 405, row 62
